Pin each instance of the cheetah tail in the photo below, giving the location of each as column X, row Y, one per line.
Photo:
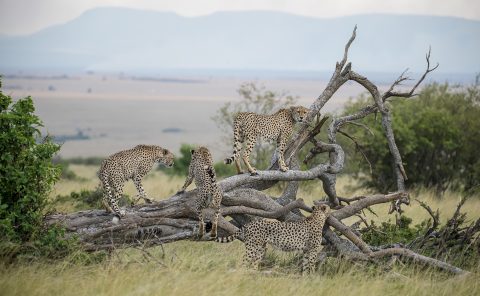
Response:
column 237, row 146
column 228, row 239
column 229, row 160
column 211, row 173
column 225, row 239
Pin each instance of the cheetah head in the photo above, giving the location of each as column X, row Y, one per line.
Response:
column 166, row 157
column 299, row 113
column 321, row 209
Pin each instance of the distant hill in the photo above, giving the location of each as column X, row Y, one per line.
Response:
column 120, row 39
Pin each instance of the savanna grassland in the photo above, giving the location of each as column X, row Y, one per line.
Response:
column 208, row 268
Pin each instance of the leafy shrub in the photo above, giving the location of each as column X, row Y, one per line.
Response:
column 389, row 233
column 26, row 170
column 437, row 133
column 456, row 241
column 27, row 175
column 224, row 170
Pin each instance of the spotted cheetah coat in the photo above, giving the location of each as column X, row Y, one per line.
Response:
column 209, row 194
column 129, row 164
column 305, row 236
column 248, row 126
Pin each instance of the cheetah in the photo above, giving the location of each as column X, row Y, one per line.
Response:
column 248, row 126
column 305, row 235
column 129, row 164
column 202, row 171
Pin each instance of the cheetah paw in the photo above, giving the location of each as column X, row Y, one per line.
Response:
column 284, row 169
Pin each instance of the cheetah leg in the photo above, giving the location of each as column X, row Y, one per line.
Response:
column 213, row 233
column 201, row 218
column 216, row 206
column 201, row 225
column 309, row 260
column 246, row 156
column 137, row 180
column 281, row 142
column 237, row 148
column 105, row 204
column 254, row 255
column 107, row 195
column 238, row 166
column 118, row 191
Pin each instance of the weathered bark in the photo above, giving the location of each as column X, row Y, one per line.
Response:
column 175, row 219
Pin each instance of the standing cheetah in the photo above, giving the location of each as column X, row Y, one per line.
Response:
column 248, row 126
column 305, row 235
column 129, row 164
column 202, row 171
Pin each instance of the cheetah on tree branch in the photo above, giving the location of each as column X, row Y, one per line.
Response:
column 129, row 164
column 249, row 126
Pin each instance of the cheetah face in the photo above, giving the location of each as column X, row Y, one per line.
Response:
column 167, row 159
column 321, row 209
column 299, row 113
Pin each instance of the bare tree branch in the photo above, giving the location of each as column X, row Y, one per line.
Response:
column 418, row 258
column 435, row 217
column 391, row 93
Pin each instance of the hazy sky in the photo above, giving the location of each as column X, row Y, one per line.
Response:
column 27, row 16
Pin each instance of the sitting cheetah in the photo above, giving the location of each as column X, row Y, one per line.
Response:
column 248, row 126
column 201, row 169
column 129, row 164
column 305, row 235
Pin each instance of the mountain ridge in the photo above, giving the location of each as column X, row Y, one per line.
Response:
column 123, row 39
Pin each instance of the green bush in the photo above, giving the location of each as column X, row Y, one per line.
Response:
column 455, row 242
column 26, row 170
column 437, row 133
column 389, row 233
column 224, row 170
column 27, row 175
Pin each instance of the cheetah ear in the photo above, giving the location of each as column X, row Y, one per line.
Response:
column 192, row 151
column 313, row 208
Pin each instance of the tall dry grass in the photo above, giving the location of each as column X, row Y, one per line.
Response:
column 207, row 268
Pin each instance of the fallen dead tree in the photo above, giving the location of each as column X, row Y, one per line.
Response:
column 174, row 218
